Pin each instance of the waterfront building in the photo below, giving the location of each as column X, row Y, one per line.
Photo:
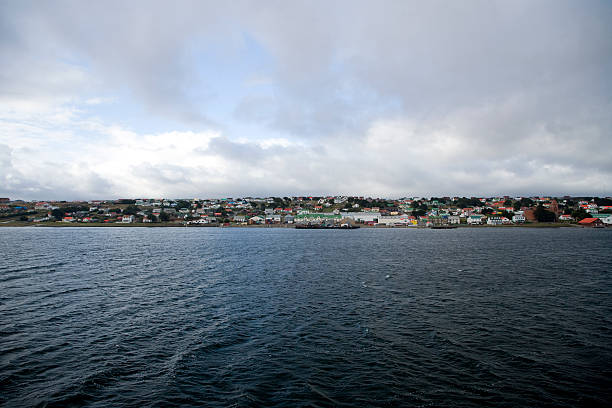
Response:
column 605, row 218
column 591, row 222
column 317, row 218
column 364, row 216
column 475, row 219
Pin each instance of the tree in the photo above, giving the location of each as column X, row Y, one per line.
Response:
column 131, row 210
column 182, row 204
column 580, row 214
column 57, row 214
column 164, row 217
column 602, row 201
column 508, row 203
column 543, row 215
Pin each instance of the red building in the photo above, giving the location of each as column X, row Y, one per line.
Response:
column 591, row 222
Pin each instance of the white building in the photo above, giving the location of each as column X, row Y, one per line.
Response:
column 127, row 219
column 494, row 220
column 454, row 219
column 518, row 218
column 395, row 219
column 362, row 216
column 475, row 219
column 605, row 218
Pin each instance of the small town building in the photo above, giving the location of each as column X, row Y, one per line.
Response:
column 605, row 218
column 494, row 220
column 475, row 219
column 395, row 220
column 255, row 220
column 363, row 216
column 591, row 222
column 454, row 219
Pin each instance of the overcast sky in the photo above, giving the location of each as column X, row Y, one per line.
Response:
column 383, row 98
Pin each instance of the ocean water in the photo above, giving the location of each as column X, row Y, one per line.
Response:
column 218, row 317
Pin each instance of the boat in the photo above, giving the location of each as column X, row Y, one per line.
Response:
column 445, row 226
column 326, row 226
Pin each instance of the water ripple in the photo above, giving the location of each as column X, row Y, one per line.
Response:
column 284, row 318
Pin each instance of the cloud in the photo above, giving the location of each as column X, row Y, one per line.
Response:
column 392, row 98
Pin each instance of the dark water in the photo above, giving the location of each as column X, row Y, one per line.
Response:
column 129, row 317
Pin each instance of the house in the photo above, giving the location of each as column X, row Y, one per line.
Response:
column 605, row 218
column 518, row 218
column 494, row 220
column 591, row 222
column 273, row 219
column 239, row 218
column 475, row 219
column 565, row 217
column 454, row 219
column 68, row 219
column 127, row 219
column 255, row 220
column 289, row 219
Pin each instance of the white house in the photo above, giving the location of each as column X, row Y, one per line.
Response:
column 494, row 220
column 518, row 218
column 255, row 220
column 127, row 219
column 454, row 219
column 475, row 219
column 605, row 218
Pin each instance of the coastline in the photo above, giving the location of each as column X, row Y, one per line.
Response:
column 290, row 226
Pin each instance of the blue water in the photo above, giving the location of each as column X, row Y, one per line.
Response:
column 161, row 317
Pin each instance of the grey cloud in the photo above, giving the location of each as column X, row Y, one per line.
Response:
column 521, row 87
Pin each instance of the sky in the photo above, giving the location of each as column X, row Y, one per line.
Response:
column 115, row 99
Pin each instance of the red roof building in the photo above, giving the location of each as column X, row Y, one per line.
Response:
column 591, row 222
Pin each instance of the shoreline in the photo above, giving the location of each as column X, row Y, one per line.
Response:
column 289, row 226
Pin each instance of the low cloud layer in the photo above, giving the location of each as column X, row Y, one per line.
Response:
column 389, row 99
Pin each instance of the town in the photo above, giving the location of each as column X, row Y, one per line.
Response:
column 328, row 210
